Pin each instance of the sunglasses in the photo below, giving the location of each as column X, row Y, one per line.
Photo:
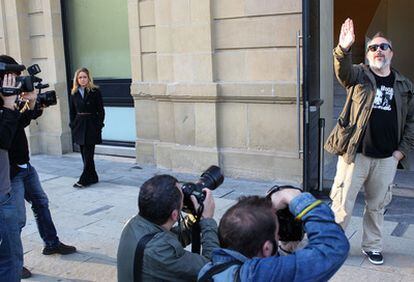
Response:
column 382, row 46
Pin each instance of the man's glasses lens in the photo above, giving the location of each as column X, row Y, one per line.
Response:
column 382, row 46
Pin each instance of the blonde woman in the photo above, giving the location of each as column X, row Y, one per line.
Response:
column 87, row 116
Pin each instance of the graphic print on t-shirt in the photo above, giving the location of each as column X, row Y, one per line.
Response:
column 383, row 98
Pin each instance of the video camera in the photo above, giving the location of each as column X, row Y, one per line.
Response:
column 290, row 230
column 28, row 83
column 211, row 179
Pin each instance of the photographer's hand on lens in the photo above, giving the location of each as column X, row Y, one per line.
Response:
column 282, row 198
column 289, row 247
column 209, row 205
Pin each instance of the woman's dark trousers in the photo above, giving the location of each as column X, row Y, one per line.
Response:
column 89, row 175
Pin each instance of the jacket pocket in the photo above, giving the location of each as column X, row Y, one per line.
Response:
column 360, row 94
column 340, row 136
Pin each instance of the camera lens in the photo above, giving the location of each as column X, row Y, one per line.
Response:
column 47, row 98
column 211, row 178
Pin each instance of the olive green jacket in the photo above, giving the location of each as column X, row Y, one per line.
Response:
column 165, row 259
column 361, row 88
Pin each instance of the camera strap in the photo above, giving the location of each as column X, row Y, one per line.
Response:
column 208, row 276
column 200, row 211
column 139, row 256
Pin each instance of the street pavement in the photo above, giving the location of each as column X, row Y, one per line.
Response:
column 92, row 219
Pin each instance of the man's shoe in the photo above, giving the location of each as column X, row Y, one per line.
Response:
column 59, row 249
column 25, row 273
column 374, row 257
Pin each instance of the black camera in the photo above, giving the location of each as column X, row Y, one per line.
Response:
column 11, row 68
column 47, row 98
column 28, row 83
column 289, row 229
column 211, row 179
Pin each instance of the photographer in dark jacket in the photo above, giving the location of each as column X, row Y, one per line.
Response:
column 87, row 116
column 9, row 229
column 25, row 183
column 164, row 258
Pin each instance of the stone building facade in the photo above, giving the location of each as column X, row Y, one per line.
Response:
column 213, row 81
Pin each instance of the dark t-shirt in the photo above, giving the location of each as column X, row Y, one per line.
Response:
column 380, row 138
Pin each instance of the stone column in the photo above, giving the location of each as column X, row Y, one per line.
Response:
column 255, row 68
column 175, row 96
column 32, row 33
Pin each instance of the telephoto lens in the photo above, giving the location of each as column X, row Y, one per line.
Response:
column 211, row 179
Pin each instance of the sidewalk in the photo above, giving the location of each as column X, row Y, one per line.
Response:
column 92, row 220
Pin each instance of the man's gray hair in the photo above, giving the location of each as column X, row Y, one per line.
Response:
column 378, row 34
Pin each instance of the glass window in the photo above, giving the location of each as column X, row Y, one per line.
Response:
column 119, row 124
column 98, row 37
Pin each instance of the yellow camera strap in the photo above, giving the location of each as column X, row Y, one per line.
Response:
column 307, row 209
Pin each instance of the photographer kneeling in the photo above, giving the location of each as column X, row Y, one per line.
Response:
column 248, row 234
column 163, row 257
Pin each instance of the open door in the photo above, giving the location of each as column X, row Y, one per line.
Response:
column 394, row 19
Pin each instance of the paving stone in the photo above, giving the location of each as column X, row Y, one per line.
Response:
column 409, row 234
column 92, row 219
column 352, row 273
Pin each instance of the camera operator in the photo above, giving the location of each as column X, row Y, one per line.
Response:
column 25, row 181
column 163, row 257
column 9, row 229
column 248, row 234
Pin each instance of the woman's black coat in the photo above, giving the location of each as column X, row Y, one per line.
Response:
column 87, row 117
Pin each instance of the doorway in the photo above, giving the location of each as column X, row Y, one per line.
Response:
column 96, row 36
column 394, row 19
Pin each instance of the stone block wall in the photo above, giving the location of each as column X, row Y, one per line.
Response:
column 214, row 83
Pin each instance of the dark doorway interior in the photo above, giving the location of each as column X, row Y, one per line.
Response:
column 394, row 19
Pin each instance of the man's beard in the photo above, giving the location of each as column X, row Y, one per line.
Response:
column 379, row 64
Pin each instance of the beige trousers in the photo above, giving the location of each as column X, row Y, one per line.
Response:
column 376, row 176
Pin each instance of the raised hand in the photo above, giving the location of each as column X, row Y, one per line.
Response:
column 347, row 35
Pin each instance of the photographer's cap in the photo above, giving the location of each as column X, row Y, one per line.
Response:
column 12, row 65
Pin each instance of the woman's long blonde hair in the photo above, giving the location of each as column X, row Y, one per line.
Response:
column 75, row 86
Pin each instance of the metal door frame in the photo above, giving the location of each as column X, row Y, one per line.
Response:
column 312, row 124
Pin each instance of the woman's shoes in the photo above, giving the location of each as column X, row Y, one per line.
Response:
column 78, row 185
